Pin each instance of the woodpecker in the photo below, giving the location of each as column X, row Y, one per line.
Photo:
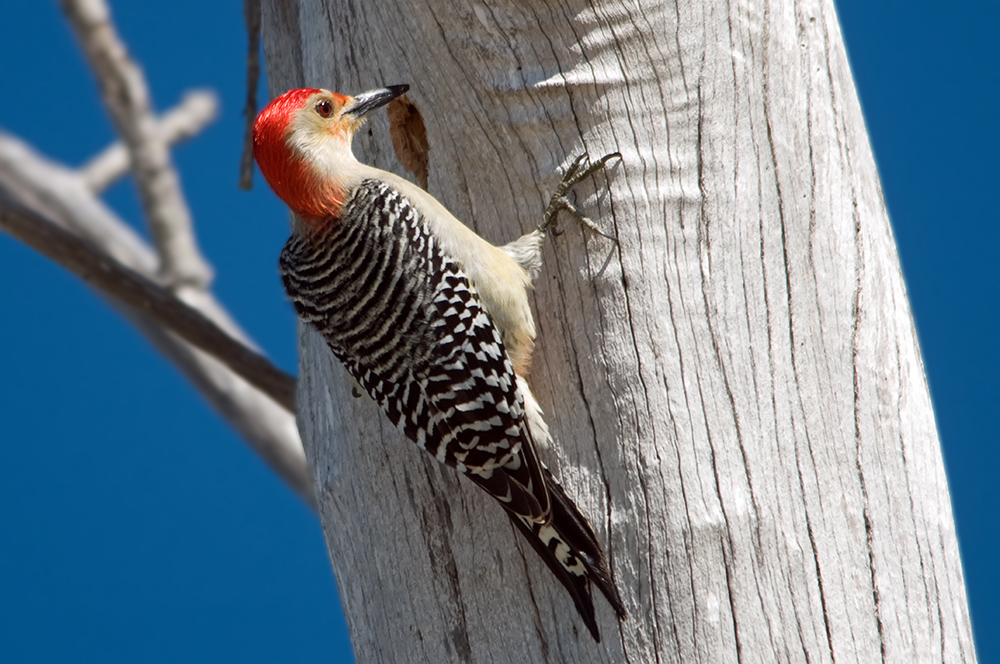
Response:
column 430, row 319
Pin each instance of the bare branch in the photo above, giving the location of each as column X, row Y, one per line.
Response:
column 126, row 96
column 251, row 14
column 190, row 116
column 59, row 194
column 267, row 428
column 156, row 303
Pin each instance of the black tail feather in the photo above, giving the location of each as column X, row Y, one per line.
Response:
column 580, row 536
column 576, row 533
column 578, row 587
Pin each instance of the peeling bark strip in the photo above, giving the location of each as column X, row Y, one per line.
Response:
column 738, row 399
column 409, row 138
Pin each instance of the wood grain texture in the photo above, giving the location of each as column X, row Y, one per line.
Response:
column 735, row 387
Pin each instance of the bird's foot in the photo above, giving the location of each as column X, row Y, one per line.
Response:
column 579, row 170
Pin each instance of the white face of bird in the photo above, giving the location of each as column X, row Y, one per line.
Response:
column 319, row 131
column 322, row 129
column 302, row 142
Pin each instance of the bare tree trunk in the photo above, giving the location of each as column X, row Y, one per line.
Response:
column 738, row 397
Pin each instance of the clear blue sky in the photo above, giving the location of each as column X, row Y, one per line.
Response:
column 135, row 526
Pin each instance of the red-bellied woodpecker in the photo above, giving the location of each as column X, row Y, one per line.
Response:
column 430, row 319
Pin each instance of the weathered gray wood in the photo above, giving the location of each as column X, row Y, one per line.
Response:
column 738, row 397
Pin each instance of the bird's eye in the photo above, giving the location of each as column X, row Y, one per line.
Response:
column 324, row 108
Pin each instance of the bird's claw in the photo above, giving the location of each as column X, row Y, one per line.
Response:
column 579, row 170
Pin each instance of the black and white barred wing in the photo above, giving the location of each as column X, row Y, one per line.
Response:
column 411, row 329
column 477, row 404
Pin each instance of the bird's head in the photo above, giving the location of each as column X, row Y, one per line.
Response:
column 302, row 143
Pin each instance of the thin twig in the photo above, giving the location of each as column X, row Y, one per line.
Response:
column 126, row 96
column 190, row 116
column 251, row 14
column 58, row 193
column 141, row 294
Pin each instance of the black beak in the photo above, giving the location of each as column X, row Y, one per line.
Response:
column 367, row 102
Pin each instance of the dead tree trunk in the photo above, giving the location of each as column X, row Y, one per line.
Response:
column 735, row 386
